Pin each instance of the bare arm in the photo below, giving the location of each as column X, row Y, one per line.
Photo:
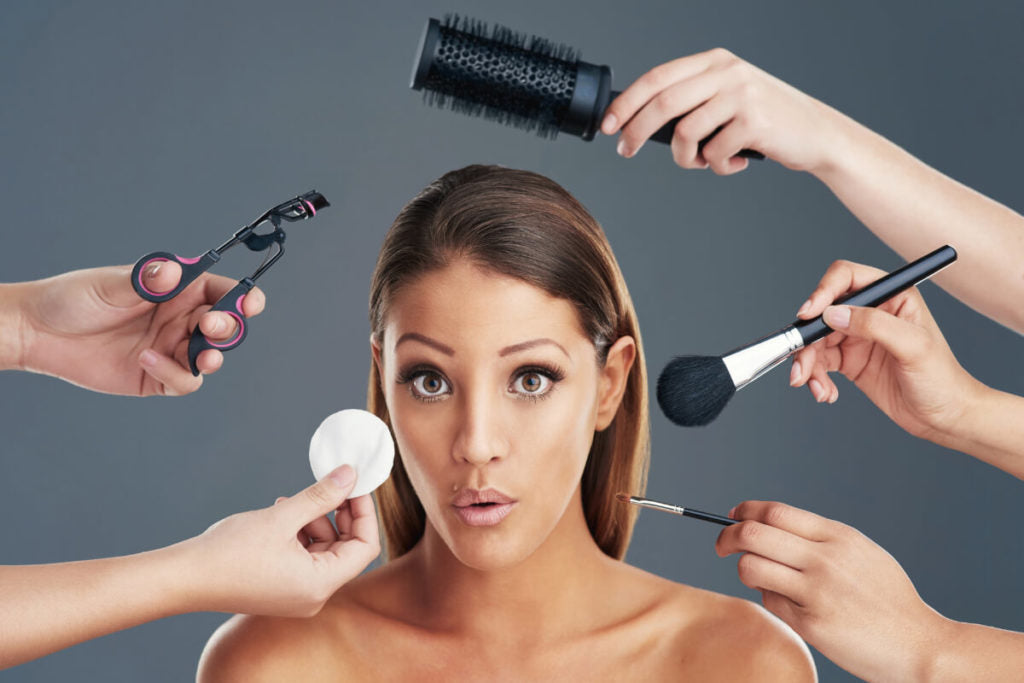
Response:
column 268, row 561
column 913, row 208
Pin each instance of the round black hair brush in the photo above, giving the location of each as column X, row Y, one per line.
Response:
column 693, row 390
column 522, row 81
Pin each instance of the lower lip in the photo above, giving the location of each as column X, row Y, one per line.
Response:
column 483, row 515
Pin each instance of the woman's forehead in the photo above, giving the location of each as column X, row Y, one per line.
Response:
column 466, row 305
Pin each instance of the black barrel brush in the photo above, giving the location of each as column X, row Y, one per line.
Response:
column 693, row 390
column 525, row 82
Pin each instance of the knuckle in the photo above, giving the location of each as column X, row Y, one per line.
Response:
column 746, row 567
column 775, row 514
column 748, row 533
column 319, row 496
column 720, row 54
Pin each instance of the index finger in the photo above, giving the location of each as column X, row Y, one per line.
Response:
column 786, row 517
column 643, row 89
column 842, row 277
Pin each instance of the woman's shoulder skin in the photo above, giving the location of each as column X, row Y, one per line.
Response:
column 652, row 627
column 711, row 636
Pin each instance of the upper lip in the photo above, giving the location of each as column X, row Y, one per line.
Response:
column 467, row 497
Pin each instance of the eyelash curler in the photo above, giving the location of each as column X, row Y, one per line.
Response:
column 300, row 208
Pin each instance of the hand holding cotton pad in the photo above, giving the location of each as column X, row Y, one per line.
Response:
column 356, row 438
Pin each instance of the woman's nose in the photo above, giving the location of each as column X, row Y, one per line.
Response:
column 481, row 436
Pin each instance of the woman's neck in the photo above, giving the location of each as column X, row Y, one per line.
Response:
column 541, row 598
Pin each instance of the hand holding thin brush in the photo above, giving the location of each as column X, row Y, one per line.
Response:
column 897, row 356
column 850, row 599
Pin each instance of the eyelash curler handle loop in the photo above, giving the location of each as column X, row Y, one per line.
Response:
column 230, row 303
column 191, row 268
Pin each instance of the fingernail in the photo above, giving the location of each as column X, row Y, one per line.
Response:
column 834, row 397
column 151, row 270
column 837, row 317
column 219, row 325
column 621, row 150
column 609, row 123
column 803, row 309
column 730, row 514
column 148, row 358
column 817, row 390
column 794, row 374
column 343, row 476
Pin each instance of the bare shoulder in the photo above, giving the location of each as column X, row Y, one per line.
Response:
column 328, row 646
column 255, row 649
column 745, row 639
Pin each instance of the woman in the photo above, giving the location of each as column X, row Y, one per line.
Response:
column 507, row 361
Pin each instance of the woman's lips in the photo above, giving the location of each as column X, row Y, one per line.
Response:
column 487, row 514
column 482, row 508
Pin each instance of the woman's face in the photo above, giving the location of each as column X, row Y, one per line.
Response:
column 494, row 394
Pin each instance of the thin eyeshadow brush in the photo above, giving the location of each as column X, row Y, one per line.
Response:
column 675, row 509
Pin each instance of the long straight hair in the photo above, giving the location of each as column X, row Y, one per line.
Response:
column 528, row 227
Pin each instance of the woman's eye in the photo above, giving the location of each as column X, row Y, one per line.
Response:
column 531, row 384
column 429, row 385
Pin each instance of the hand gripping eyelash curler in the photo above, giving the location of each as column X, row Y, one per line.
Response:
column 299, row 208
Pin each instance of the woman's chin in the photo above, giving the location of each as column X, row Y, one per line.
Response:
column 485, row 550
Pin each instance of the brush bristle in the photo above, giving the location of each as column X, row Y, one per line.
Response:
column 693, row 390
column 502, row 75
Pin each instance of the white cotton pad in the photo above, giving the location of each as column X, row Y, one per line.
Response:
column 356, row 438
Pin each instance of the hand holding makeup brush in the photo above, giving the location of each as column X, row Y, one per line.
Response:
column 897, row 356
column 850, row 599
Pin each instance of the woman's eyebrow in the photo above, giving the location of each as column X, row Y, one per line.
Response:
column 423, row 339
column 523, row 346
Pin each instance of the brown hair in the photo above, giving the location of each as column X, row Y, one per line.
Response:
column 525, row 226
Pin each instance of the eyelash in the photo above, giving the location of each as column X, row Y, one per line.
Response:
column 552, row 373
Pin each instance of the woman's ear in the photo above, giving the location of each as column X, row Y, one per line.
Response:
column 377, row 363
column 613, row 380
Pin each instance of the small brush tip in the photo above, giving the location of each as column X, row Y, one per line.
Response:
column 622, row 497
column 693, row 390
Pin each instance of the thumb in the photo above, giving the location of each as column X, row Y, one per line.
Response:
column 906, row 341
column 113, row 285
column 319, row 499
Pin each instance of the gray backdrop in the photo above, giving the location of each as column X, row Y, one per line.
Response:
column 129, row 127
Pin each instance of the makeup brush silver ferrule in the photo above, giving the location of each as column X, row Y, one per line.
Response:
column 749, row 362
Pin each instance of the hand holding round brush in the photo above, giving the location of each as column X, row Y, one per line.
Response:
column 898, row 357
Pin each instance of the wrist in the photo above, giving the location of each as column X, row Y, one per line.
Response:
column 941, row 657
column 14, row 328
column 843, row 138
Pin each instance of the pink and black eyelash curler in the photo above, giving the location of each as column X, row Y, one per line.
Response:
column 297, row 209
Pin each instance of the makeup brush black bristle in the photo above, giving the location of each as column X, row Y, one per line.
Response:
column 499, row 74
column 693, row 390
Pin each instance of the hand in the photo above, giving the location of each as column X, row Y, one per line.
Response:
column 895, row 354
column 836, row 588
column 717, row 88
column 288, row 559
column 90, row 328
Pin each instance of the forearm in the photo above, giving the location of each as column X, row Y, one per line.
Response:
column 914, row 209
column 991, row 429
column 45, row 608
column 972, row 652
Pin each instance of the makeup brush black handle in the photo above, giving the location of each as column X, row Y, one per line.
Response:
column 709, row 517
column 882, row 289
column 664, row 135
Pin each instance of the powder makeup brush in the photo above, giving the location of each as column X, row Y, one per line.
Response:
column 693, row 390
column 520, row 81
column 675, row 509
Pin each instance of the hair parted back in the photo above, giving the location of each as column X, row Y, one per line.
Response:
column 528, row 227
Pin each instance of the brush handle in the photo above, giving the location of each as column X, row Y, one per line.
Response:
column 881, row 290
column 665, row 133
column 709, row 517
